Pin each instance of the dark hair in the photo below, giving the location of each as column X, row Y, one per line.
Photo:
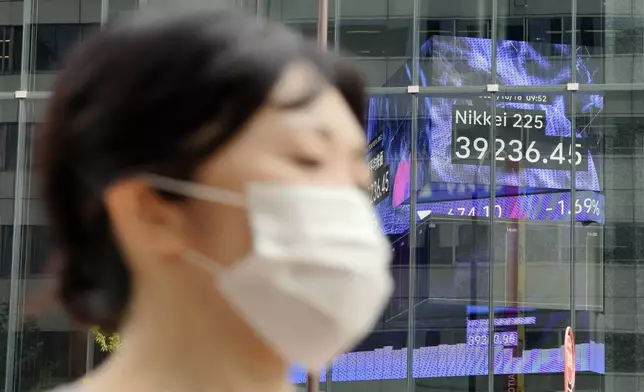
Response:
column 136, row 98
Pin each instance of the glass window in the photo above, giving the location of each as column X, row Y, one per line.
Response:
column 534, row 155
column 611, row 38
column 378, row 38
column 8, row 146
column 380, row 360
column 48, row 349
column 546, row 30
column 251, row 6
column 11, row 19
column 53, row 42
column 539, row 250
column 10, row 49
column 451, row 38
column 614, row 326
column 8, row 152
column 452, row 246
column 534, row 48
column 10, row 55
column 298, row 15
column 118, row 7
column 58, row 26
column 512, row 29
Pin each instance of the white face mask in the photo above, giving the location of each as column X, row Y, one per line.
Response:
column 317, row 278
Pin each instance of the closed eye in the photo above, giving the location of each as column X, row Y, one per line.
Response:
column 308, row 162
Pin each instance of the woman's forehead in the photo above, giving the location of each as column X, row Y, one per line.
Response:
column 298, row 81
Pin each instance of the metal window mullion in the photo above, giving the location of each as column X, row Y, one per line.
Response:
column 470, row 90
column 573, row 40
column 337, row 4
column 573, row 167
column 89, row 354
column 492, row 135
column 260, row 9
column 313, row 379
column 411, row 320
column 573, row 207
column 36, row 95
column 16, row 283
column 27, row 23
column 415, row 42
column 323, row 22
column 336, row 25
column 336, row 47
column 89, row 350
column 105, row 12
column 15, row 297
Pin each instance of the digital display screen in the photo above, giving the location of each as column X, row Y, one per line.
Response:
column 462, row 360
column 504, row 339
column 380, row 186
column 550, row 207
column 534, row 153
column 469, row 357
column 541, row 118
column 532, row 147
column 477, row 331
column 520, row 138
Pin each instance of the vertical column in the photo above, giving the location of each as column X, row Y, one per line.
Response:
column 105, row 10
column 89, row 354
column 261, row 9
column 16, row 286
column 323, row 22
column 573, row 166
column 491, row 139
column 413, row 199
column 313, row 379
column 336, row 45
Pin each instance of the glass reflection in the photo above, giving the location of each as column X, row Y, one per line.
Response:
column 380, row 360
column 378, row 38
column 612, row 35
column 11, row 33
column 8, row 153
column 532, row 234
column 452, row 254
column 614, row 324
column 58, row 26
column 47, row 349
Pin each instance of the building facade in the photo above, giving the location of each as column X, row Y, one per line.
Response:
column 506, row 142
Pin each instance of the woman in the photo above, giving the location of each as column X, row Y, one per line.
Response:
column 204, row 177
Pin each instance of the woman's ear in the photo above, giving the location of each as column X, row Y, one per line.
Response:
column 143, row 220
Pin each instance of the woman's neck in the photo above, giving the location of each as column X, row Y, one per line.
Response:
column 182, row 336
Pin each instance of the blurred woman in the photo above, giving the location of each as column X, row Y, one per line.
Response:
column 204, row 177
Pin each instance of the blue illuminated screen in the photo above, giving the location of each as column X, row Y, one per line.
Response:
column 540, row 190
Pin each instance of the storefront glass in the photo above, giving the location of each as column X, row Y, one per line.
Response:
column 506, row 140
column 521, row 191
